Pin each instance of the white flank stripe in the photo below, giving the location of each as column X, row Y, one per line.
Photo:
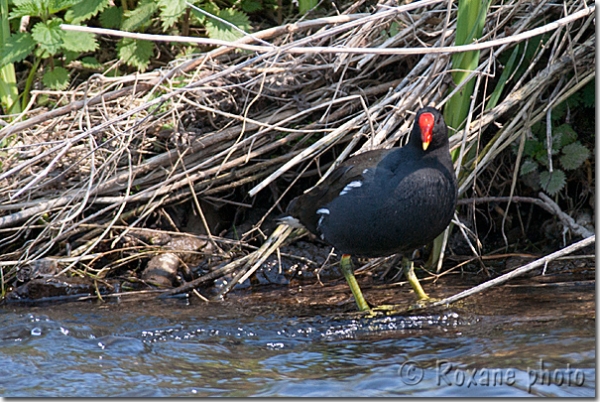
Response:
column 350, row 186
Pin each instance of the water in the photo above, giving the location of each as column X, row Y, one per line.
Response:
column 513, row 341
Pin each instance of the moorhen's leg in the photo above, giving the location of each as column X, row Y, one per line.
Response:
column 348, row 271
column 409, row 271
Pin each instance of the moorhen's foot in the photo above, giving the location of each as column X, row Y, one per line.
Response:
column 423, row 300
column 391, row 309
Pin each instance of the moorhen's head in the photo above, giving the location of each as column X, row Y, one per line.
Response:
column 429, row 130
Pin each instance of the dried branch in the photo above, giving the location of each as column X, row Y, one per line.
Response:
column 517, row 272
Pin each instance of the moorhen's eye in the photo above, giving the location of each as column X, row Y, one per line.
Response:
column 361, row 208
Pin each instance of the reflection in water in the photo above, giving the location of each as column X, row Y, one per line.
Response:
column 514, row 345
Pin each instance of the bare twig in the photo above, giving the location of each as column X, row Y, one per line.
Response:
column 517, row 272
column 320, row 49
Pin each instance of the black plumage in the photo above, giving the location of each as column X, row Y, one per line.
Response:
column 388, row 201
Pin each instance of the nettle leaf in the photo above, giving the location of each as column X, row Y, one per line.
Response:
column 209, row 7
column 532, row 147
column 111, row 17
column 251, row 6
column 85, row 10
column 566, row 133
column 553, row 182
column 57, row 79
column 91, row 63
column 528, row 166
column 537, row 151
column 170, row 11
column 219, row 30
column 16, row 48
column 69, row 56
column 55, row 6
column 557, row 140
column 48, row 35
column 79, row 41
column 21, row 8
column 574, row 155
column 135, row 53
column 394, row 29
column 140, row 15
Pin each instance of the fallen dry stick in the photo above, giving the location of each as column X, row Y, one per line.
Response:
column 517, row 272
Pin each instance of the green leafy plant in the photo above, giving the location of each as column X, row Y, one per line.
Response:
column 9, row 93
column 226, row 21
column 52, row 48
column 567, row 151
column 49, row 45
column 305, row 6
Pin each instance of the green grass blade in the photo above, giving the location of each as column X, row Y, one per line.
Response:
column 469, row 26
column 305, row 6
column 9, row 93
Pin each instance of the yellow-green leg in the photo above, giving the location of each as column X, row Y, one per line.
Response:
column 348, row 271
column 409, row 271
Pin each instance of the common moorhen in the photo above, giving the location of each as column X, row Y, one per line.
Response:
column 384, row 201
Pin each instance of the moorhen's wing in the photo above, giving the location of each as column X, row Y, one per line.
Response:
column 352, row 171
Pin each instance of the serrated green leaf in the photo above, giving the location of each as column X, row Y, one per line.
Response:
column 90, row 63
column 305, row 6
column 250, row 6
column 528, row 166
column 70, row 56
column 394, row 29
column 533, row 148
column 574, row 155
column 16, row 48
column 218, row 30
column 557, row 140
column 79, row 41
column 553, row 182
column 48, row 35
column 573, row 102
column 140, row 15
column 566, row 133
column 170, row 11
column 55, row 6
column 111, row 17
column 57, row 79
column 21, row 8
column 85, row 10
column 208, row 7
column 135, row 53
